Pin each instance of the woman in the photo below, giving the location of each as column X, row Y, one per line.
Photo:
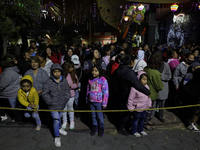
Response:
column 163, row 94
column 39, row 77
column 155, row 85
column 45, row 63
column 54, row 54
column 38, row 74
column 196, row 55
column 9, row 84
column 127, row 79
column 67, row 57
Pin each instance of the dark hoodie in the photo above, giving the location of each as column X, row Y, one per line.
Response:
column 127, row 79
column 56, row 95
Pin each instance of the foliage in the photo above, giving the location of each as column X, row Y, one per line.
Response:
column 12, row 19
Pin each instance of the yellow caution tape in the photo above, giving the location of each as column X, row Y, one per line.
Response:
column 45, row 110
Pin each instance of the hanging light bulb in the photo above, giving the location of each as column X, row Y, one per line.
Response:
column 141, row 7
column 174, row 7
column 126, row 18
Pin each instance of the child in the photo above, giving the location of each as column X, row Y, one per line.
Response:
column 72, row 80
column 106, row 58
column 28, row 97
column 181, row 71
column 138, row 100
column 56, row 94
column 97, row 95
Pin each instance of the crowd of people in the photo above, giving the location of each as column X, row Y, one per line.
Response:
column 113, row 76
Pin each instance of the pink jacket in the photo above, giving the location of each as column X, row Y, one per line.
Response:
column 98, row 91
column 138, row 100
column 73, row 85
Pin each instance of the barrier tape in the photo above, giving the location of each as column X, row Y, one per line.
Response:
column 45, row 110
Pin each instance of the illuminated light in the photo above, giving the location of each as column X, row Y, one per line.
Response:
column 141, row 7
column 47, row 36
column 174, row 7
column 126, row 18
column 199, row 6
column 179, row 17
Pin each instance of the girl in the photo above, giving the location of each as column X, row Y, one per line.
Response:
column 29, row 98
column 106, row 58
column 138, row 100
column 181, row 71
column 72, row 80
column 97, row 96
column 94, row 59
column 173, row 60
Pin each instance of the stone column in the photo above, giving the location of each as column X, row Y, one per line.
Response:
column 151, row 26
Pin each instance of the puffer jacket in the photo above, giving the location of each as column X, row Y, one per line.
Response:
column 138, row 100
column 32, row 97
column 56, row 95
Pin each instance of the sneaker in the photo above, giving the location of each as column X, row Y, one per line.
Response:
column 4, row 118
column 57, row 142
column 71, row 126
column 64, row 124
column 101, row 132
column 93, row 130
column 143, row 133
column 38, row 127
column 137, row 134
column 62, row 131
column 193, row 127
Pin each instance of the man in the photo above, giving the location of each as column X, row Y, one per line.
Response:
column 56, row 94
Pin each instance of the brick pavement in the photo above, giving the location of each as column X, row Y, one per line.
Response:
column 169, row 136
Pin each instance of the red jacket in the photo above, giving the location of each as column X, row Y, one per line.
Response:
column 55, row 59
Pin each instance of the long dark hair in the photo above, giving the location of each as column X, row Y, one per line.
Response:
column 54, row 50
column 66, row 66
column 66, row 57
column 42, row 54
column 99, row 68
column 155, row 61
column 92, row 55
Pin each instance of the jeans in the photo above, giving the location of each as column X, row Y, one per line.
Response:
column 138, row 120
column 69, row 106
column 97, row 115
column 56, row 116
column 34, row 115
column 13, row 104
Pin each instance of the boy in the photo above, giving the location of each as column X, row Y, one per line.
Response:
column 56, row 93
